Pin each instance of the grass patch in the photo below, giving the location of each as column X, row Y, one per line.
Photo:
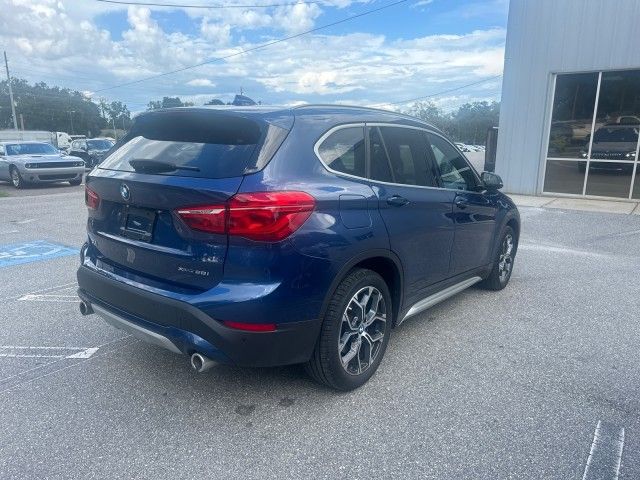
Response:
column 3, row 194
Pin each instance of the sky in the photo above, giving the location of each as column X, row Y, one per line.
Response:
column 413, row 49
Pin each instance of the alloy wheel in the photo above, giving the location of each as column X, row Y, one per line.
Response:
column 362, row 331
column 505, row 262
column 15, row 177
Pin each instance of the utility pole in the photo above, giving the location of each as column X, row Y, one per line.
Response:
column 115, row 134
column 71, row 120
column 21, row 122
column 13, row 107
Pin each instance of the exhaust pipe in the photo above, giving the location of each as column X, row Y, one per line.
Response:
column 200, row 363
column 85, row 308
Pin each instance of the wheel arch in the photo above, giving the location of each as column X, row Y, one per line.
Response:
column 511, row 219
column 385, row 263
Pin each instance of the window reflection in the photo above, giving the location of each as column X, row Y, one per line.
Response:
column 618, row 118
column 613, row 143
column 565, row 176
column 636, row 185
column 609, row 179
column 573, row 105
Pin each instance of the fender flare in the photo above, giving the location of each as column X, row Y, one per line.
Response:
column 510, row 215
column 352, row 262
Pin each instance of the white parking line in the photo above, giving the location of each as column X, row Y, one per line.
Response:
column 15, row 351
column 87, row 353
column 562, row 250
column 31, row 297
column 60, row 288
column 18, row 379
column 605, row 455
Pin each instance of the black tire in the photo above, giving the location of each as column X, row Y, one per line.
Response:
column 16, row 179
column 326, row 364
column 499, row 278
column 76, row 182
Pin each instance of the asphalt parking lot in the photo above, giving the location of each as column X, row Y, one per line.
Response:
column 527, row 383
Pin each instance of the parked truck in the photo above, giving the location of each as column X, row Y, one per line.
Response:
column 60, row 140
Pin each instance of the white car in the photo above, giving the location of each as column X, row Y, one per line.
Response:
column 35, row 162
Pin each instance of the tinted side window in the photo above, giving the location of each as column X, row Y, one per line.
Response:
column 343, row 151
column 455, row 172
column 380, row 164
column 407, row 151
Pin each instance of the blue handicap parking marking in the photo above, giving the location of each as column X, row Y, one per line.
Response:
column 37, row 251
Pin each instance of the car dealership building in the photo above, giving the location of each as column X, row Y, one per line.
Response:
column 570, row 111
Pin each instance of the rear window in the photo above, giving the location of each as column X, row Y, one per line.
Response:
column 198, row 144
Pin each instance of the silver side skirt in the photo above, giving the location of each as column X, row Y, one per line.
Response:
column 438, row 297
column 135, row 330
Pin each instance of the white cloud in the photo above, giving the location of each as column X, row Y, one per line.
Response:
column 218, row 34
column 65, row 46
column 201, row 82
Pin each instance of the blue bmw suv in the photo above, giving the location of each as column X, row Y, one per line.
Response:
column 272, row 236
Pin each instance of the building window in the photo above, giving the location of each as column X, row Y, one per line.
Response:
column 593, row 137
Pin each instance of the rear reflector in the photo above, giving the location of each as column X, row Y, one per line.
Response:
column 262, row 216
column 91, row 199
column 251, row 327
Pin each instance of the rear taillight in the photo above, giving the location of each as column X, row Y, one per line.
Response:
column 262, row 216
column 91, row 199
column 268, row 216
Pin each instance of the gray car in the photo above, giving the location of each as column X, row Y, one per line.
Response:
column 35, row 162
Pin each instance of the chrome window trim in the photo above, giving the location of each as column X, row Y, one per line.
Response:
column 316, row 149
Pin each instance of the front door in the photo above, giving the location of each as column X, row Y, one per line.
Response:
column 474, row 211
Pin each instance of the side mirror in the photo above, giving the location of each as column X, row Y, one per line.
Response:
column 491, row 181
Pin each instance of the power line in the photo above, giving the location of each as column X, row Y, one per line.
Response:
column 257, row 47
column 210, row 7
column 437, row 94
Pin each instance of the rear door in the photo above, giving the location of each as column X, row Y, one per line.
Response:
column 418, row 216
column 473, row 211
column 161, row 192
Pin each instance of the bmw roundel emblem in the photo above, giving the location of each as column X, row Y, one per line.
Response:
column 124, row 192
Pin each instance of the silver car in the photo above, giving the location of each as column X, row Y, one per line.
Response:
column 35, row 162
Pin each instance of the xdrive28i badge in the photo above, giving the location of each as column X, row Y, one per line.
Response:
column 125, row 192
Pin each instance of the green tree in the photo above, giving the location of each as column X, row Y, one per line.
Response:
column 214, row 101
column 468, row 124
column 472, row 120
column 167, row 102
column 118, row 114
column 50, row 108
column 431, row 113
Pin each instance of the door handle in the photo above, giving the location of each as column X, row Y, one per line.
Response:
column 461, row 203
column 397, row 201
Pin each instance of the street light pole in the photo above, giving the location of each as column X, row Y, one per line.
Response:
column 13, row 107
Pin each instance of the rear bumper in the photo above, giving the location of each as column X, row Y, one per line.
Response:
column 181, row 327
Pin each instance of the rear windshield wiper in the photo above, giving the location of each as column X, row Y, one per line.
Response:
column 156, row 166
